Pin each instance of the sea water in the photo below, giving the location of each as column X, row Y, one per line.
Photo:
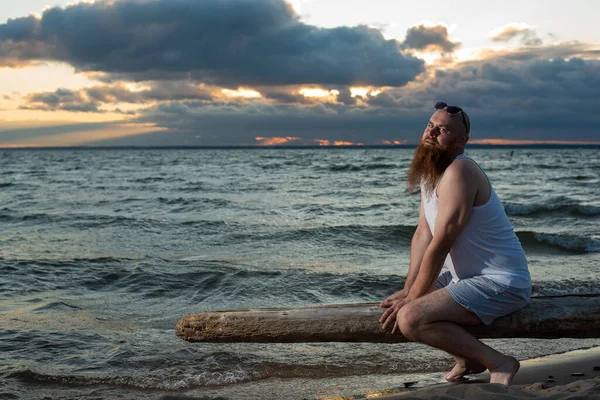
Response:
column 103, row 250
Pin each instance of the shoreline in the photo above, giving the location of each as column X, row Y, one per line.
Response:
column 559, row 375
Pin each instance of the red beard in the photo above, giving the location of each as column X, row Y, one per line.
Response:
column 428, row 165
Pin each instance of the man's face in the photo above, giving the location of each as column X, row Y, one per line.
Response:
column 444, row 131
column 442, row 140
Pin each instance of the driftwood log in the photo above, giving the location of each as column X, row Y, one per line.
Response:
column 576, row 316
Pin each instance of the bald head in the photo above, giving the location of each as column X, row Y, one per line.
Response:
column 460, row 122
column 466, row 122
column 455, row 111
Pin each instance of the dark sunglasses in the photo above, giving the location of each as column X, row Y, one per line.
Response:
column 452, row 110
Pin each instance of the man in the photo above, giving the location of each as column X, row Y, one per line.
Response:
column 460, row 216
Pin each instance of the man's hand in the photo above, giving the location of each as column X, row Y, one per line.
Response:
column 399, row 295
column 389, row 315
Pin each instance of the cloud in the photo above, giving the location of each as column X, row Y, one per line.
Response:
column 218, row 42
column 235, row 124
column 511, row 95
column 423, row 37
column 232, row 72
column 61, row 99
column 516, row 94
column 98, row 99
column 286, row 94
column 508, row 32
column 275, row 140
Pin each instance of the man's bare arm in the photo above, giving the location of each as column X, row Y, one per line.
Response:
column 420, row 240
column 456, row 195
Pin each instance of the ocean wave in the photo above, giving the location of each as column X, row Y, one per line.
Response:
column 40, row 275
column 225, row 369
column 322, row 209
column 550, row 166
column 203, row 378
column 517, row 209
column 271, row 166
column 12, row 216
column 376, row 236
column 574, row 178
column 565, row 287
column 211, row 284
column 182, row 201
column 565, row 242
column 146, row 382
column 56, row 306
column 193, row 187
column 22, row 262
column 152, row 179
column 80, row 220
column 361, row 167
column 203, row 223
column 215, row 284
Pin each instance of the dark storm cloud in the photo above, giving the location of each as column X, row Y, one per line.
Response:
column 345, row 97
column 61, row 99
column 285, row 95
column 224, row 42
column 154, row 91
column 228, row 124
column 93, row 99
column 527, row 35
column 423, row 37
column 506, row 96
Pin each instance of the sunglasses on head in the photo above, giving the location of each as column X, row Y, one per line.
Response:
column 452, row 110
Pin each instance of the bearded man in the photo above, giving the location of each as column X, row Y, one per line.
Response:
column 462, row 223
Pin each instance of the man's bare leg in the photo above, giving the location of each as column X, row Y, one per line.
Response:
column 434, row 318
column 464, row 366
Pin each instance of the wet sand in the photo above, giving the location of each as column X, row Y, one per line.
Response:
column 572, row 375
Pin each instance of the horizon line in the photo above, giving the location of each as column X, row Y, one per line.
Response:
column 511, row 144
column 484, row 142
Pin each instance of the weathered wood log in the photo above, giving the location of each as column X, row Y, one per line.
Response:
column 575, row 316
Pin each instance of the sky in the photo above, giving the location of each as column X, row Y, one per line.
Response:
column 298, row 72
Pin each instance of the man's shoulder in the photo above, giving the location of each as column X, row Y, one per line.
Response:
column 464, row 173
column 463, row 168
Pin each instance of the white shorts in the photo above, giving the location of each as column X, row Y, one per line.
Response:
column 487, row 299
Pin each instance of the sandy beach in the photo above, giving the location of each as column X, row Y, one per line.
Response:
column 572, row 375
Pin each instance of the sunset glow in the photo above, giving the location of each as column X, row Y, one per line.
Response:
column 274, row 141
column 84, row 137
column 241, row 92
column 137, row 87
column 359, row 91
column 363, row 91
column 318, row 92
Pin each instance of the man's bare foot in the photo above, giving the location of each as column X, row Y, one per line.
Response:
column 505, row 372
column 464, row 368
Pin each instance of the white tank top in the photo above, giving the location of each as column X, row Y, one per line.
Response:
column 487, row 245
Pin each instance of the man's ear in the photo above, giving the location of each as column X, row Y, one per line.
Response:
column 464, row 139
